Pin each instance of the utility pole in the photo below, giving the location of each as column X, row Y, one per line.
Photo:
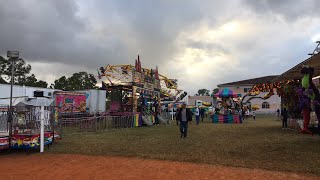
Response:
column 12, row 55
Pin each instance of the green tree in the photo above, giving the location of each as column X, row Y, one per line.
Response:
column 41, row 83
column 215, row 90
column 203, row 92
column 3, row 66
column 61, row 83
column 78, row 81
column 32, row 81
column 21, row 71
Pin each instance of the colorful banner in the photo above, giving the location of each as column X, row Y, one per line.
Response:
column 71, row 102
column 4, row 143
column 30, row 141
column 229, row 119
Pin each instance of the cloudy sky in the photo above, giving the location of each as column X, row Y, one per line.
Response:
column 200, row 43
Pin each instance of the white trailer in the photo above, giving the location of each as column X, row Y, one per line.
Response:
column 20, row 93
column 95, row 101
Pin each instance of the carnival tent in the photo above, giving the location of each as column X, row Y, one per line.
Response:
column 294, row 73
column 227, row 93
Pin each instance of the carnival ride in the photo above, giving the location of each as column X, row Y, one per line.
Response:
column 26, row 126
column 133, row 89
column 227, row 113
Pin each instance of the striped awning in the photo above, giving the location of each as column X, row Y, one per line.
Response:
column 227, row 93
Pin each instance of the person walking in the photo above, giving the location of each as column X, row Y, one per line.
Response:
column 254, row 115
column 197, row 115
column 247, row 113
column 202, row 113
column 278, row 114
column 184, row 115
column 243, row 112
column 284, row 115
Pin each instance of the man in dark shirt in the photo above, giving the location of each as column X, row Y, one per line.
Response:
column 184, row 115
column 202, row 113
column 284, row 115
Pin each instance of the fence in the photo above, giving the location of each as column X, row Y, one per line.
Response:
column 27, row 119
column 3, row 119
column 166, row 115
column 95, row 124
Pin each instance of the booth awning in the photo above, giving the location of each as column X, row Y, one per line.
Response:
column 294, row 73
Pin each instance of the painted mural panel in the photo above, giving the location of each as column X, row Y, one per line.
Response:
column 71, row 102
column 28, row 141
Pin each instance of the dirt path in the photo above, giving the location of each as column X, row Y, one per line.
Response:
column 53, row 166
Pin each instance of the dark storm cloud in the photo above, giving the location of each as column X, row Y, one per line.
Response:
column 84, row 35
column 53, row 30
column 39, row 29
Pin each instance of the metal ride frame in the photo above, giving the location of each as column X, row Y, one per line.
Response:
column 138, row 82
column 137, row 85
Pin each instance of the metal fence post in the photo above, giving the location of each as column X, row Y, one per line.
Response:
column 95, row 120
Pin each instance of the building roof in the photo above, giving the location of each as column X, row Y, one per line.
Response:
column 251, row 81
column 294, row 73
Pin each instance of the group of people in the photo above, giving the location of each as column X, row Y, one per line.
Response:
column 245, row 113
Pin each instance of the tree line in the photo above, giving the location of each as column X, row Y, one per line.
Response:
column 22, row 76
column 206, row 92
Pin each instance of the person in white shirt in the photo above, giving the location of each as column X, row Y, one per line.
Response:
column 197, row 115
column 247, row 113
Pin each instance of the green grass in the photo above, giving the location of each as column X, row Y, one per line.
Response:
column 254, row 144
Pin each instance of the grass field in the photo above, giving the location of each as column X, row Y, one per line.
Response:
column 259, row 144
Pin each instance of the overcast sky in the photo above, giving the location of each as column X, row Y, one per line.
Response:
column 200, row 43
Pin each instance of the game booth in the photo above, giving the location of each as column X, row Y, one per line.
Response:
column 228, row 111
column 137, row 91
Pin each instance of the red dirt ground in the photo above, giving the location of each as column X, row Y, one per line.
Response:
column 57, row 166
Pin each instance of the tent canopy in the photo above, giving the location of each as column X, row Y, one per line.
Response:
column 227, row 93
column 294, row 73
